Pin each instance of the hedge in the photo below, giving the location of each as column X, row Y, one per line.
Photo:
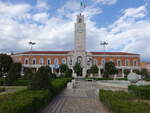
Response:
column 88, row 78
column 123, row 102
column 147, row 79
column 21, row 82
column 2, row 89
column 2, row 81
column 141, row 91
column 29, row 101
column 122, row 79
column 59, row 83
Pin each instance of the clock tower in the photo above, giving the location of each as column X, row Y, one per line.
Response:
column 79, row 43
column 80, row 34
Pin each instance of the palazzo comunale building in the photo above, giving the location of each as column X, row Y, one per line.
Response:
column 36, row 59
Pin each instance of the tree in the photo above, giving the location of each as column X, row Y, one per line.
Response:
column 126, row 71
column 78, row 69
column 65, row 71
column 40, row 80
column 63, row 68
column 94, row 69
column 68, row 73
column 13, row 74
column 110, row 69
column 144, row 73
column 28, row 74
column 5, row 63
column 137, row 71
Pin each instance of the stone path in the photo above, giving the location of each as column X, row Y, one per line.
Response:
column 82, row 99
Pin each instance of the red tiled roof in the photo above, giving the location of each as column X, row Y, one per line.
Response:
column 65, row 52
column 113, row 53
column 44, row 52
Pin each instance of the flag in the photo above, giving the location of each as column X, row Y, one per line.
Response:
column 81, row 4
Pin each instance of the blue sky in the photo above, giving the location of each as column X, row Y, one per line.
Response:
column 124, row 24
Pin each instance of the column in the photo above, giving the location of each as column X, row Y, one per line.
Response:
column 52, row 68
column 37, row 69
column 123, row 73
column 22, row 71
column 131, row 70
column 84, row 72
column 99, row 72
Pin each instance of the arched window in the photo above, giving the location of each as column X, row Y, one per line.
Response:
column 55, row 61
column 41, row 61
column 26, row 61
column 48, row 61
column 135, row 63
column 126, row 62
column 34, row 61
column 119, row 62
column 102, row 61
column 95, row 61
column 63, row 61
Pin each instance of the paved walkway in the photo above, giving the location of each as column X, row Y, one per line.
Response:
column 81, row 99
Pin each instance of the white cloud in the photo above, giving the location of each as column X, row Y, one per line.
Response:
column 42, row 5
column 106, row 2
column 73, row 8
column 12, row 9
column 129, row 33
column 41, row 17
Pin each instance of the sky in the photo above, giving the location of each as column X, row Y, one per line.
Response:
column 124, row 24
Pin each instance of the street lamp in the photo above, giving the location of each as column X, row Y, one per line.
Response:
column 104, row 44
column 31, row 44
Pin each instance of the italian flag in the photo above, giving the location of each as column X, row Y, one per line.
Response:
column 82, row 4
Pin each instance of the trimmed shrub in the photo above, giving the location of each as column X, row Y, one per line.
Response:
column 13, row 74
column 21, row 82
column 40, row 80
column 2, row 81
column 122, row 79
column 24, row 101
column 28, row 74
column 59, row 83
column 147, row 79
column 2, row 89
column 30, row 101
column 99, row 78
column 141, row 91
column 68, row 73
column 123, row 102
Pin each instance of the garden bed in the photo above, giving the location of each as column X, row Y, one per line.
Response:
column 2, row 89
column 27, row 101
column 123, row 102
column 142, row 92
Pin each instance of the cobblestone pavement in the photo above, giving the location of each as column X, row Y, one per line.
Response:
column 82, row 99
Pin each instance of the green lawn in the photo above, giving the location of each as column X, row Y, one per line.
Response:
column 12, row 89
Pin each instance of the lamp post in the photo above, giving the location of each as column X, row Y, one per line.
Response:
column 31, row 44
column 104, row 44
